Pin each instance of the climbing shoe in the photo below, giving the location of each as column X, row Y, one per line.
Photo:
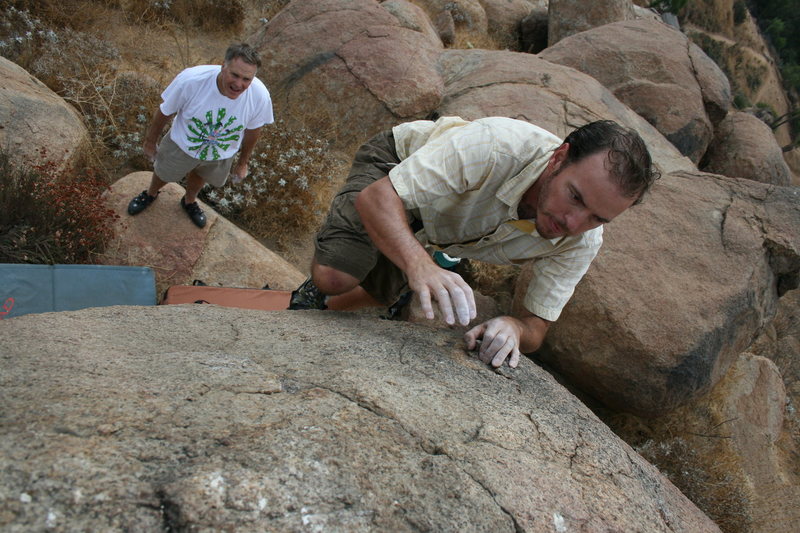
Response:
column 194, row 212
column 140, row 203
column 307, row 296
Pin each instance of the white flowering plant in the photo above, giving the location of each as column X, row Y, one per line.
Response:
column 82, row 69
column 288, row 188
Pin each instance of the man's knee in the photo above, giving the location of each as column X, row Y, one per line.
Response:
column 331, row 281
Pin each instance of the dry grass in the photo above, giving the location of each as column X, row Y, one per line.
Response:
column 495, row 281
column 706, row 474
column 84, row 69
column 467, row 39
column 695, row 452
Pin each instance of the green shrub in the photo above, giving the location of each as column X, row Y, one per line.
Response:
column 50, row 215
column 741, row 101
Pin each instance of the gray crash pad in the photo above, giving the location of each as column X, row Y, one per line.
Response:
column 28, row 289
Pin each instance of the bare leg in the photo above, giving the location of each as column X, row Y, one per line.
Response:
column 345, row 293
column 331, row 281
column 193, row 185
column 353, row 299
column 155, row 185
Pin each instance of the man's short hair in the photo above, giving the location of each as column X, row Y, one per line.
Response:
column 630, row 163
column 245, row 52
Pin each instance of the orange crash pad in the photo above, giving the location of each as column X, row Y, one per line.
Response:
column 263, row 299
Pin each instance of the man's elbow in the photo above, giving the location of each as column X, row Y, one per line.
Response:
column 366, row 199
column 361, row 202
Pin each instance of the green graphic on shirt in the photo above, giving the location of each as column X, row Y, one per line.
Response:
column 212, row 135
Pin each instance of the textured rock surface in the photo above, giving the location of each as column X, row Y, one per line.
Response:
column 568, row 17
column 32, row 118
column 732, row 449
column 412, row 17
column 482, row 83
column 504, row 16
column 206, row 418
column 683, row 284
column 352, row 61
column 658, row 72
column 468, row 14
column 363, row 72
column 164, row 238
column 744, row 147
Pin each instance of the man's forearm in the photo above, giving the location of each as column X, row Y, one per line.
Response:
column 384, row 217
column 248, row 144
column 156, row 127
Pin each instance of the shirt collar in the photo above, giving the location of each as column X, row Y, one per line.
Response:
column 510, row 193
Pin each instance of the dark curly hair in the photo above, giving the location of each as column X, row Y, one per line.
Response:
column 629, row 160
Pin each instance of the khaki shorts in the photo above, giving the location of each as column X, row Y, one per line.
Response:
column 172, row 164
column 343, row 243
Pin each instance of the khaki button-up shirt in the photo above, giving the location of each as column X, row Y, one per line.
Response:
column 464, row 181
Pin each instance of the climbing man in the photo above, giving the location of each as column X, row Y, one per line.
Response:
column 496, row 189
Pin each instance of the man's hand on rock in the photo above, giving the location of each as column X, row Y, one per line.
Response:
column 449, row 290
column 500, row 340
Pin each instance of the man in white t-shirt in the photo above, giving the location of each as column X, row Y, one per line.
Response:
column 218, row 111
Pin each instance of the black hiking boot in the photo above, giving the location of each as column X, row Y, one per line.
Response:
column 194, row 212
column 307, row 296
column 140, row 203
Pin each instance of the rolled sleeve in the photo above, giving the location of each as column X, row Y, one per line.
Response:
column 457, row 161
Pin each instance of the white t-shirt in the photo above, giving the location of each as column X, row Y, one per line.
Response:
column 208, row 125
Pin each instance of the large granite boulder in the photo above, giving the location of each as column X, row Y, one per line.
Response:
column 482, row 83
column 568, row 17
column 37, row 125
column 496, row 19
column 732, row 451
column 203, row 418
column 744, row 147
column 362, row 69
column 504, row 16
column 352, row 61
column 163, row 237
column 658, row 73
column 682, row 285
